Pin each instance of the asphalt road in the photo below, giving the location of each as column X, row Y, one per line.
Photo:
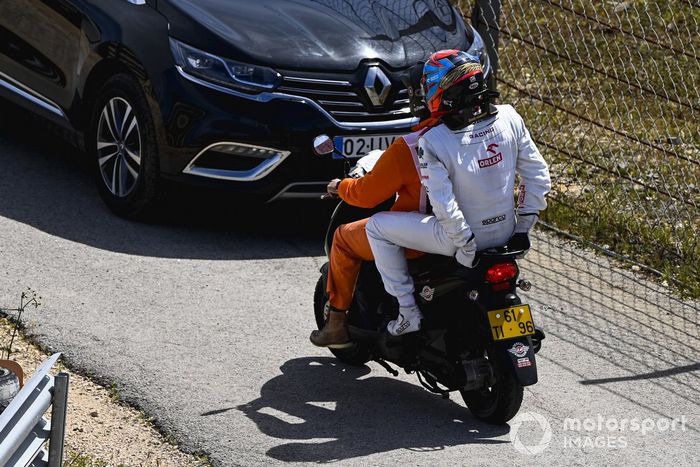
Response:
column 202, row 320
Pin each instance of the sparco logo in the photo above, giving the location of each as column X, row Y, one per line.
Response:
column 403, row 327
column 494, row 220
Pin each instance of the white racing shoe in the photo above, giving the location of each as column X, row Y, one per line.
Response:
column 409, row 320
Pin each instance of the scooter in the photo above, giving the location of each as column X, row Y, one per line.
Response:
column 477, row 337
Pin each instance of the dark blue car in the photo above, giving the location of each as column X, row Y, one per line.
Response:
column 226, row 93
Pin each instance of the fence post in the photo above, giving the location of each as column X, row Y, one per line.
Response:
column 58, row 420
column 485, row 19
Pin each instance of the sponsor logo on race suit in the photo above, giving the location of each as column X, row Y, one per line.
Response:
column 494, row 220
column 482, row 133
column 521, row 195
column 493, row 160
column 483, row 163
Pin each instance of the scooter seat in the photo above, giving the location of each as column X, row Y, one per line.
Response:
column 433, row 264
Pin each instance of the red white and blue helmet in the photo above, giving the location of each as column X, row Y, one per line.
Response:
column 452, row 79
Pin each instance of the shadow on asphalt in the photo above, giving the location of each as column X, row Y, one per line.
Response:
column 650, row 375
column 48, row 184
column 639, row 334
column 371, row 414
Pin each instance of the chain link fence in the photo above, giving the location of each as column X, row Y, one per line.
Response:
column 611, row 93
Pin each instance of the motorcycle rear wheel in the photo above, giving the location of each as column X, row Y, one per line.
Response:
column 499, row 403
column 358, row 354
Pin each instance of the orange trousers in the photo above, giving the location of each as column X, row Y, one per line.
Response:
column 350, row 248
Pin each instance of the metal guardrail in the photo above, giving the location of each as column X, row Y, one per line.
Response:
column 24, row 430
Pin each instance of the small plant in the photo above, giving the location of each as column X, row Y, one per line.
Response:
column 114, row 393
column 84, row 460
column 28, row 298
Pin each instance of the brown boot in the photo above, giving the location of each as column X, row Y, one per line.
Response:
column 334, row 334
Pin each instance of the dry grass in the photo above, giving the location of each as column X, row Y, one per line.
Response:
column 100, row 431
column 611, row 93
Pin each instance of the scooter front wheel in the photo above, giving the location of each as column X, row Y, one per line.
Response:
column 358, row 354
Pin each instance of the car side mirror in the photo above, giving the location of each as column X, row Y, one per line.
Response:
column 323, row 145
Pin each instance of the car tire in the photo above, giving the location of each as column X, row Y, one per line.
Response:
column 124, row 148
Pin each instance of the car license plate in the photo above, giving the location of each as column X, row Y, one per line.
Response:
column 507, row 323
column 357, row 146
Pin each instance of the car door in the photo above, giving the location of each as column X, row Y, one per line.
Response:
column 40, row 48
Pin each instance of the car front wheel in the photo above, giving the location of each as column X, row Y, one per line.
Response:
column 124, row 147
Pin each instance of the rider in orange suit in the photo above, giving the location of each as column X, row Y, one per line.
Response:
column 395, row 173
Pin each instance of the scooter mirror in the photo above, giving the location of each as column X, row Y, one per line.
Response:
column 323, row 144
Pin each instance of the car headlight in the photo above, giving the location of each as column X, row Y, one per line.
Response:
column 478, row 49
column 223, row 71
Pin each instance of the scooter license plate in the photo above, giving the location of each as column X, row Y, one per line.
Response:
column 507, row 323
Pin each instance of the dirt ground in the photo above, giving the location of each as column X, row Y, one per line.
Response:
column 101, row 431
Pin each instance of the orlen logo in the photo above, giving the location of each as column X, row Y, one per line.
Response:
column 483, row 163
column 493, row 160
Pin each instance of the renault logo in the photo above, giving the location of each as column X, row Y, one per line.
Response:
column 377, row 86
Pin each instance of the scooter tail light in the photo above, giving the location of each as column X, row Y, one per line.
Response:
column 501, row 273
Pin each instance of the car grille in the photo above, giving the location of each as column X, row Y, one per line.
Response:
column 346, row 100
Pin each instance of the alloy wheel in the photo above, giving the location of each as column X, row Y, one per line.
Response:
column 119, row 147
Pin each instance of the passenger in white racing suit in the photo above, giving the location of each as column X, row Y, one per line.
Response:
column 468, row 165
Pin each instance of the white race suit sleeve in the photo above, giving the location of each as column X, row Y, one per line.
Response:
column 535, row 182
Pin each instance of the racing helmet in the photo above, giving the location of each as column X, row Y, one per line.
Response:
column 453, row 80
column 411, row 79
